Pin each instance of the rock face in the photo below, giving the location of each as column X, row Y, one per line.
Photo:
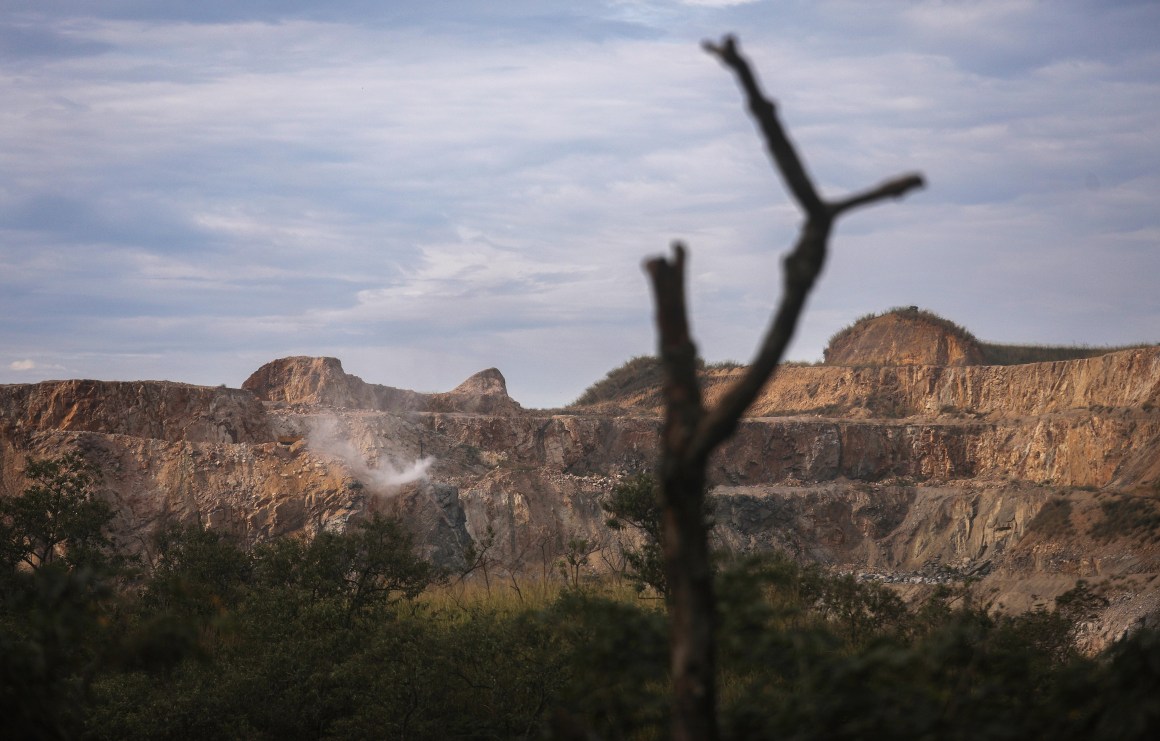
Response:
column 321, row 381
column 145, row 409
column 483, row 393
column 1029, row 477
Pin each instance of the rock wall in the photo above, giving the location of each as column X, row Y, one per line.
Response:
column 1129, row 379
column 322, row 381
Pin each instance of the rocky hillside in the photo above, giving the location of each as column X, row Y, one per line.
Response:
column 904, row 337
column 913, row 336
column 1025, row 477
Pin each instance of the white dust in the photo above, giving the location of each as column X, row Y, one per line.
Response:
column 327, row 436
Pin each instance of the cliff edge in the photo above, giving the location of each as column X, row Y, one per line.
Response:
column 303, row 380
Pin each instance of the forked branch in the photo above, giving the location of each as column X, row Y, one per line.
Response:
column 691, row 433
column 802, row 265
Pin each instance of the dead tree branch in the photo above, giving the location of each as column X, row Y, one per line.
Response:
column 691, row 433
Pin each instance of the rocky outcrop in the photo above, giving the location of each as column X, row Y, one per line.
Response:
column 904, row 337
column 322, row 382
column 483, row 393
column 1128, row 379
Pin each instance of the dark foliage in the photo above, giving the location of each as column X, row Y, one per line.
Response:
column 55, row 558
column 324, row 638
column 635, row 504
column 642, row 373
column 58, row 518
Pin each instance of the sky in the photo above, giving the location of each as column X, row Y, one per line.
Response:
column 191, row 189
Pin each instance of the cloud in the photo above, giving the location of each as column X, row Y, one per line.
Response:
column 28, row 364
column 22, row 43
column 194, row 190
column 717, row 3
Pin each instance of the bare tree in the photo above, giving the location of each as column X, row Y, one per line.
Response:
column 691, row 432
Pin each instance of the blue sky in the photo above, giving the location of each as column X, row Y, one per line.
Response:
column 424, row 190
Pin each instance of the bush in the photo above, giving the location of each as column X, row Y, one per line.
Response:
column 635, row 504
column 58, row 517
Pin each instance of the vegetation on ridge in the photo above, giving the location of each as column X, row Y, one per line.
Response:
column 929, row 317
column 993, row 353
column 638, row 374
column 999, row 354
column 641, row 374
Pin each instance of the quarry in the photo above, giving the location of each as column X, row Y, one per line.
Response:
column 905, row 458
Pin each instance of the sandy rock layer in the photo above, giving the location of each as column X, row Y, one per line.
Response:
column 1028, row 477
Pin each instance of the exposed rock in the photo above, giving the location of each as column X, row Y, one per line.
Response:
column 322, row 382
column 148, row 409
column 1128, row 379
column 483, row 393
column 912, row 475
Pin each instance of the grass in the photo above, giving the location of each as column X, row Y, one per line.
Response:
column 999, row 354
column 502, row 595
column 508, row 595
column 638, row 374
column 723, row 365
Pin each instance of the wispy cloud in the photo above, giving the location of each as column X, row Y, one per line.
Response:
column 428, row 191
column 28, row 364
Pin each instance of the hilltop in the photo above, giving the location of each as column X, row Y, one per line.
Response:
column 913, row 336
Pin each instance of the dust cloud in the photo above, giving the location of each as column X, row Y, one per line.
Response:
column 327, row 437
